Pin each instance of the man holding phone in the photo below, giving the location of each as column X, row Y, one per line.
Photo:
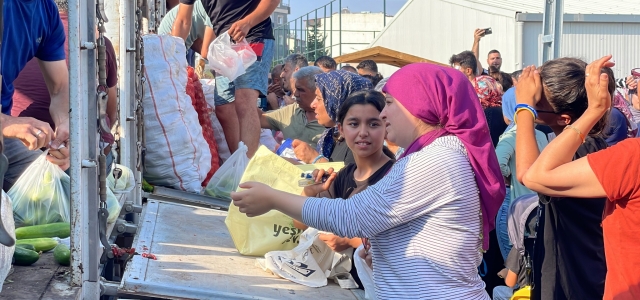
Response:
column 494, row 58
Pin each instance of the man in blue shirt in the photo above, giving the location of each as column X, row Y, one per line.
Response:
column 33, row 29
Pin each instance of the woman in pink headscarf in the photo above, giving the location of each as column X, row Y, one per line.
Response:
column 429, row 218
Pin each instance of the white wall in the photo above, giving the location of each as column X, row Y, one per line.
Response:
column 590, row 41
column 368, row 25
column 437, row 29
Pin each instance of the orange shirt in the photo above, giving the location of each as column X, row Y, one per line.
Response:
column 618, row 170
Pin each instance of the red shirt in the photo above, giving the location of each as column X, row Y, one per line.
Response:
column 31, row 97
column 618, row 170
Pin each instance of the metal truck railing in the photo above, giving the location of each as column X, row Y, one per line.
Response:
column 314, row 34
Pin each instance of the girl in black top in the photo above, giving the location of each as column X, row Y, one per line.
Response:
column 363, row 131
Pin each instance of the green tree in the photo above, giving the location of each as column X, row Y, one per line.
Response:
column 315, row 43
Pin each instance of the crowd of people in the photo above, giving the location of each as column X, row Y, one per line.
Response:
column 436, row 158
column 477, row 144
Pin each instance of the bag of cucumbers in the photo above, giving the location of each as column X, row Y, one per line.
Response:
column 41, row 194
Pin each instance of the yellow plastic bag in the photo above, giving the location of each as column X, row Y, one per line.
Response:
column 273, row 230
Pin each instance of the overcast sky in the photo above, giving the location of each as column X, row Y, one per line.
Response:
column 302, row 7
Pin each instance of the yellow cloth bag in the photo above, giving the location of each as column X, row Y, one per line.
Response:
column 274, row 230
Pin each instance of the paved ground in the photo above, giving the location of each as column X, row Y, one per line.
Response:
column 44, row 280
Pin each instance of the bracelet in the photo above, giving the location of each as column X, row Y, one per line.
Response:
column 577, row 131
column 318, row 158
column 515, row 116
column 529, row 107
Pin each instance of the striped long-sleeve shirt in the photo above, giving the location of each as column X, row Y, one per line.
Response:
column 424, row 221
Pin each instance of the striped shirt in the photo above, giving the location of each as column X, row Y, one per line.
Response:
column 424, row 221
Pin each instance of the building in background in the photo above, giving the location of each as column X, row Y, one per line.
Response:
column 329, row 30
column 347, row 31
column 436, row 29
column 294, row 44
column 279, row 18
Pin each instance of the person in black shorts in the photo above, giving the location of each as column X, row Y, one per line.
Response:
column 236, row 100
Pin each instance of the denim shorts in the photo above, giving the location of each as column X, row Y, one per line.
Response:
column 256, row 78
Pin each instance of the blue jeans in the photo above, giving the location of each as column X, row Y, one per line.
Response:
column 502, row 230
column 256, row 78
column 502, row 292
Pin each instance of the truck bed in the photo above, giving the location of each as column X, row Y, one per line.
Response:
column 45, row 280
column 196, row 259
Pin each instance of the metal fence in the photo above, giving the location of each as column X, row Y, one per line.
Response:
column 319, row 32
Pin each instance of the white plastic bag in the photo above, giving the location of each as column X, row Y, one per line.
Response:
column 227, row 178
column 41, row 194
column 125, row 181
column 267, row 140
column 366, row 275
column 228, row 59
column 310, row 263
column 6, row 253
column 209, row 89
column 177, row 155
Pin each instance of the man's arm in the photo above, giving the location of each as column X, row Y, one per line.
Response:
column 208, row 38
column 477, row 35
column 56, row 76
column 264, row 121
column 240, row 29
column 112, row 105
column 182, row 23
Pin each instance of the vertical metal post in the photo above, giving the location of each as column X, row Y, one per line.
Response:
column 315, row 33
column 340, row 28
column 384, row 14
column 84, row 188
column 324, row 27
column 331, row 30
column 75, row 145
column 552, row 22
column 306, row 39
column 301, row 28
column 295, row 35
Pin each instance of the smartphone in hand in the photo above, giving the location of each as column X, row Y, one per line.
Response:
column 488, row 31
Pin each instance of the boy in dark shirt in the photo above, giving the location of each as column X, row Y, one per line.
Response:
column 236, row 100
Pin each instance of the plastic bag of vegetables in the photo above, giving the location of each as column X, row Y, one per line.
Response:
column 41, row 194
column 6, row 253
column 113, row 206
column 227, row 178
column 121, row 180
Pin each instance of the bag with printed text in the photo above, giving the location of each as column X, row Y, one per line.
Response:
column 273, row 230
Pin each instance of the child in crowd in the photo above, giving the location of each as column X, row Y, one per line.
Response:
column 360, row 125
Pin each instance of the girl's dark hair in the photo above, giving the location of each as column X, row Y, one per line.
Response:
column 563, row 85
column 361, row 97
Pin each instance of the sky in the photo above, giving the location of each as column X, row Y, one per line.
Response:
column 302, row 7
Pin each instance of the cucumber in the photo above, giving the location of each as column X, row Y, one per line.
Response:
column 25, row 257
column 146, row 186
column 61, row 230
column 41, row 244
column 27, row 246
column 62, row 254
